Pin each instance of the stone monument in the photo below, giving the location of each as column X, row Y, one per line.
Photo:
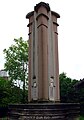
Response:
column 43, row 92
column 43, row 54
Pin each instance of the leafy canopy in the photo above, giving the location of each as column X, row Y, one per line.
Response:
column 16, row 64
column 17, row 60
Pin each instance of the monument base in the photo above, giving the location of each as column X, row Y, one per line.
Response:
column 44, row 111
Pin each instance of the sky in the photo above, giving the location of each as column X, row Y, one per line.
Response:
column 13, row 24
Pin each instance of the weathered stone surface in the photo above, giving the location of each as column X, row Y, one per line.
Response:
column 43, row 81
column 44, row 111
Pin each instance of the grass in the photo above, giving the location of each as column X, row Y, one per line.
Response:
column 5, row 118
column 81, row 118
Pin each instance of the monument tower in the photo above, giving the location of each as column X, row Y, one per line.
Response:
column 43, row 54
column 43, row 91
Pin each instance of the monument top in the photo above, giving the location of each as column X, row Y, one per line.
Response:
column 46, row 5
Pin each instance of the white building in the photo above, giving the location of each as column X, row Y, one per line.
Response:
column 3, row 74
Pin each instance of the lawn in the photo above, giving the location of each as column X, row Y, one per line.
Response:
column 81, row 118
column 4, row 118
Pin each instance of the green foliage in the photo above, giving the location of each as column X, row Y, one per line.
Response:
column 4, row 91
column 9, row 93
column 16, row 64
column 81, row 95
column 17, row 59
column 70, row 93
column 67, row 90
column 81, row 118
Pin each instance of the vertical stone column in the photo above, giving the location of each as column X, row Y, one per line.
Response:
column 55, row 55
column 30, row 25
column 43, row 54
column 42, row 26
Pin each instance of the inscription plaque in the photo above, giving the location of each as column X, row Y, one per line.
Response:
column 41, row 118
column 34, row 91
column 51, row 89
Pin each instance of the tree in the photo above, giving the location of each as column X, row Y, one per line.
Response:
column 16, row 64
column 4, row 91
column 9, row 93
column 67, row 90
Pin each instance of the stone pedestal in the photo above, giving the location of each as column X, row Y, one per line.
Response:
column 44, row 111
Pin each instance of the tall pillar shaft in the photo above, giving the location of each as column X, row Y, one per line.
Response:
column 42, row 25
column 43, row 54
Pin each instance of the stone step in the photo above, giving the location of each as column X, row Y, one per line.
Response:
column 43, row 111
